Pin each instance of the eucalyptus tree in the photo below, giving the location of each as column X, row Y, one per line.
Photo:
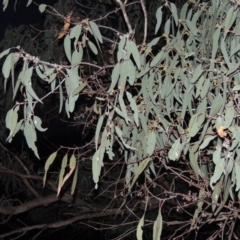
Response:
column 157, row 83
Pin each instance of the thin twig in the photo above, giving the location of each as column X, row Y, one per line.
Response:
column 145, row 22
column 123, row 8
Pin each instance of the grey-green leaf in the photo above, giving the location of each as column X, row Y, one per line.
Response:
column 197, row 73
column 79, row 88
column 157, row 59
column 98, row 129
column 96, row 31
column 48, row 163
column 174, row 12
column 5, row 52
column 42, row 7
column 140, row 169
column 157, row 226
column 92, row 47
column 151, row 143
column 67, row 47
column 37, row 123
column 159, row 19
column 135, row 53
column 139, row 228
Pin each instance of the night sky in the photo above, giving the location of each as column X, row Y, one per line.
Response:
column 22, row 15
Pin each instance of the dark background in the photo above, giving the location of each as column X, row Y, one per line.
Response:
column 22, row 15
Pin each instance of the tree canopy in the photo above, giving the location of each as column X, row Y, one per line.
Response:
column 120, row 118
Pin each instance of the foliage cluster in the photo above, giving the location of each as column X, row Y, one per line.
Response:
column 168, row 102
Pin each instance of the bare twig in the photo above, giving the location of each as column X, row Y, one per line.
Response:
column 123, row 8
column 145, row 22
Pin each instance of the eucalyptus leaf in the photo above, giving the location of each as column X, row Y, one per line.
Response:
column 67, row 47
column 42, row 7
column 92, row 47
column 157, row 226
column 48, row 163
column 139, row 228
column 159, row 19
column 140, row 169
column 96, row 31
column 5, row 52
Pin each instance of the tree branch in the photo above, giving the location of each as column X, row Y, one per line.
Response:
column 145, row 22
column 109, row 212
column 41, row 201
column 123, row 8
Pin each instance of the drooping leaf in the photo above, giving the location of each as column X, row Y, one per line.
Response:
column 157, row 59
column 199, row 206
column 216, row 193
column 140, row 169
column 11, row 120
column 5, row 4
column 184, row 11
column 6, row 68
column 77, row 56
column 97, row 164
column 229, row 115
column 206, row 141
column 124, row 109
column 225, row 196
column 134, row 107
column 120, row 135
column 218, row 171
column 159, row 19
column 98, row 129
column 61, row 97
column 48, row 163
column 30, row 136
column 139, row 232
column 151, row 143
column 132, row 48
column 157, row 226
column 193, row 157
column 42, row 7
column 5, row 52
column 237, row 171
column 191, row 27
column 74, row 182
column 32, row 93
column 227, row 22
column 96, row 31
column 72, row 166
column 92, row 47
column 174, row 13
column 79, row 88
column 130, row 71
column 37, row 123
column 215, row 44
column 175, row 151
column 197, row 73
column 219, row 166
column 167, row 27
column 62, row 171
column 67, row 47
column 75, row 33
column 114, row 77
column 29, row 2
